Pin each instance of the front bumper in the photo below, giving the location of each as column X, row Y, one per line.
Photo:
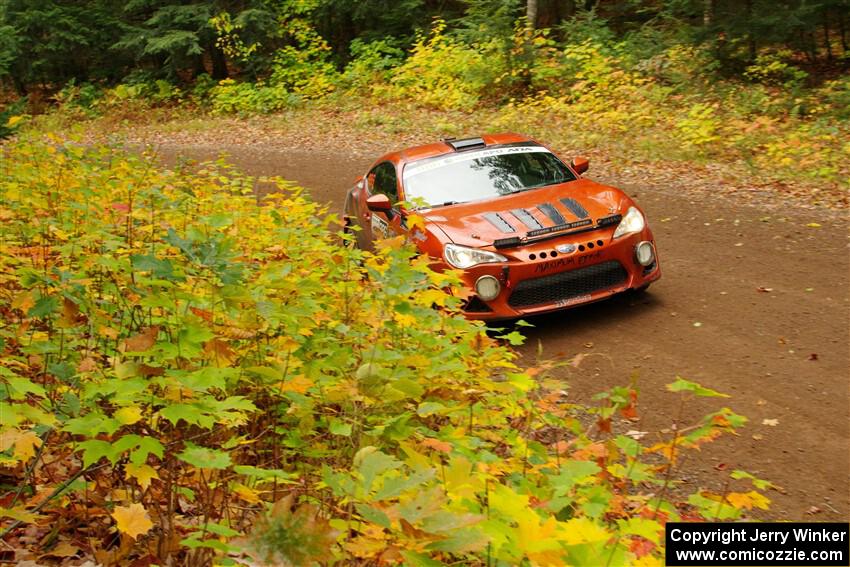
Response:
column 539, row 279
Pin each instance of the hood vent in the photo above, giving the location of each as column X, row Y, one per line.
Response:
column 466, row 144
column 499, row 222
column 552, row 213
column 575, row 208
column 526, row 218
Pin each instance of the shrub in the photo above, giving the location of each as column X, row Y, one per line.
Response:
column 444, row 73
column 371, row 62
column 249, row 98
column 181, row 366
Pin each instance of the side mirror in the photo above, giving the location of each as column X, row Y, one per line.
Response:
column 379, row 203
column 580, row 164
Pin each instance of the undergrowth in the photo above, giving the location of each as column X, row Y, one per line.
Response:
column 188, row 376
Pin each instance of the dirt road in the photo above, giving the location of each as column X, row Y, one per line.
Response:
column 754, row 302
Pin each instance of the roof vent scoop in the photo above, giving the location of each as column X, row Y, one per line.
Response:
column 466, row 144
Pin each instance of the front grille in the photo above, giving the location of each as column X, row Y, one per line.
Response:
column 566, row 285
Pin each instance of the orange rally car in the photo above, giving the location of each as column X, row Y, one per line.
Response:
column 528, row 232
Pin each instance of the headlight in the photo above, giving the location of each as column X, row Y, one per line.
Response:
column 463, row 257
column 632, row 222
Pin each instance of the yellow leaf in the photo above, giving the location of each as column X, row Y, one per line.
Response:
column 23, row 301
column 128, row 416
column 813, row 225
column 245, row 493
column 107, row 332
column 13, row 120
column 748, row 500
column 132, row 520
column 142, row 473
column 18, row 513
column 415, row 221
column 298, row 384
column 24, row 442
column 583, row 530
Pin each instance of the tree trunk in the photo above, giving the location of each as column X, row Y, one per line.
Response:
column 219, row 63
column 842, row 31
column 707, row 12
column 531, row 13
column 751, row 37
column 826, row 35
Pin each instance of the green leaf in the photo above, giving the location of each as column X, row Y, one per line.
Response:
column 45, row 305
column 91, row 424
column 373, row 464
column 572, row 473
column 190, row 413
column 146, row 446
column 757, row 482
column 461, row 541
column 682, row 385
column 339, row 427
column 22, row 386
column 205, row 458
column 643, row 527
column 413, row 559
column 95, row 449
column 515, row 338
column 429, row 408
column 373, row 515
column 208, row 378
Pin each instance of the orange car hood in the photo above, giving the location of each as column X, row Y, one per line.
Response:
column 470, row 224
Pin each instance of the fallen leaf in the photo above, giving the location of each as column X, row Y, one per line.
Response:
column 764, row 289
column 437, row 445
column 63, row 549
column 813, row 510
column 132, row 520
column 635, row 434
column 813, row 356
column 143, row 341
column 770, row 422
column 697, row 324
column 813, row 225
column 24, row 442
column 576, row 361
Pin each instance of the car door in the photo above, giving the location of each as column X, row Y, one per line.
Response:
column 382, row 179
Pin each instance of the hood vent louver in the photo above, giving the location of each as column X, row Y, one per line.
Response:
column 553, row 214
column 575, row 208
column 526, row 218
column 499, row 222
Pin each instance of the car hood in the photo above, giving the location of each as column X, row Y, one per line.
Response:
column 477, row 224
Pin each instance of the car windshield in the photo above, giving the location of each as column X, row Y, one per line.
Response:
column 475, row 175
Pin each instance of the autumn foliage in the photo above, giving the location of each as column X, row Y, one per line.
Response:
column 190, row 376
